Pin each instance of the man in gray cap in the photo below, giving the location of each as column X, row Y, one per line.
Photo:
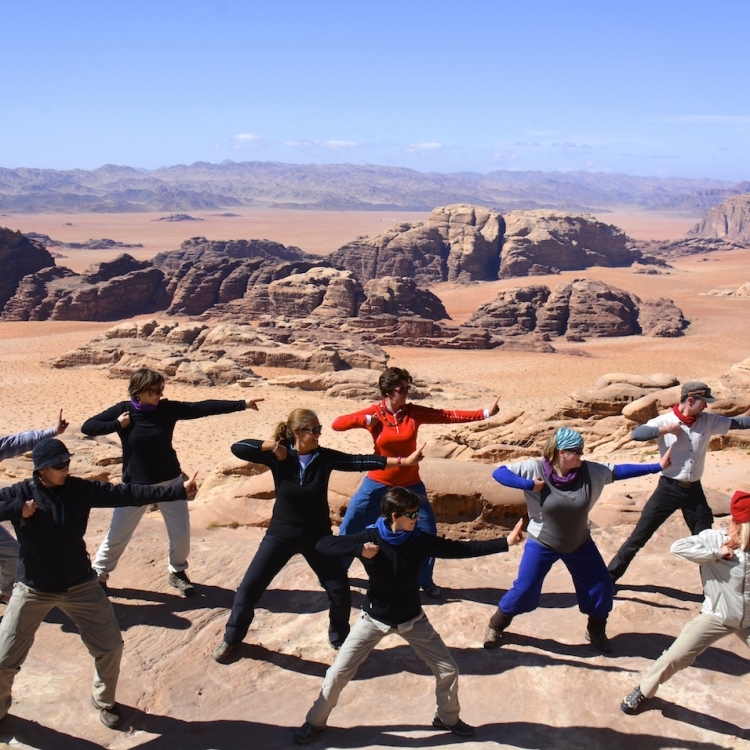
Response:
column 50, row 513
column 687, row 429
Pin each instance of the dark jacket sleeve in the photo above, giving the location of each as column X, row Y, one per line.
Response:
column 11, row 504
column 249, row 450
column 339, row 461
column 439, row 547
column 105, row 495
column 198, row 409
column 106, row 422
column 345, row 546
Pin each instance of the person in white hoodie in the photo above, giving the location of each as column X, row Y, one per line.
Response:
column 724, row 557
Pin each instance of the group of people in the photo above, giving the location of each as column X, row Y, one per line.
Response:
column 389, row 525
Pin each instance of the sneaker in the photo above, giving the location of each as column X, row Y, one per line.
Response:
column 110, row 717
column 460, row 728
column 600, row 642
column 434, row 592
column 304, row 735
column 182, row 583
column 492, row 638
column 632, row 701
column 223, row 651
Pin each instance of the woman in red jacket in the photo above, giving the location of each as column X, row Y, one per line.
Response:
column 393, row 425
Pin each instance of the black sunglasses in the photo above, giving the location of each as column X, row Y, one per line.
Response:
column 577, row 451
column 314, row 430
column 411, row 515
column 60, row 467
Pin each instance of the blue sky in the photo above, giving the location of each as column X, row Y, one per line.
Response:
column 648, row 88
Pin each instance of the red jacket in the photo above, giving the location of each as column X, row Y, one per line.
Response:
column 396, row 435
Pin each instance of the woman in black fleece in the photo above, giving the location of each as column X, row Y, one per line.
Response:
column 393, row 552
column 145, row 426
column 300, row 518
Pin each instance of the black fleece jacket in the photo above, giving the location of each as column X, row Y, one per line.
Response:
column 393, row 593
column 53, row 555
column 301, row 507
column 147, row 453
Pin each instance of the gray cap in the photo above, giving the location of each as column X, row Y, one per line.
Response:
column 696, row 389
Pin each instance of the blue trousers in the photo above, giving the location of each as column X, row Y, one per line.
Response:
column 364, row 510
column 594, row 590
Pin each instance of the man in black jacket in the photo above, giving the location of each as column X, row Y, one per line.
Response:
column 393, row 552
column 50, row 513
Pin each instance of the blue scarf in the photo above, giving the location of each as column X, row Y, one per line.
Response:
column 394, row 538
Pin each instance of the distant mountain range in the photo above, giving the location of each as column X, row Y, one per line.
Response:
column 204, row 186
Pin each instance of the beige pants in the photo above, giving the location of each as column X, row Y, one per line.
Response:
column 362, row 639
column 90, row 610
column 694, row 639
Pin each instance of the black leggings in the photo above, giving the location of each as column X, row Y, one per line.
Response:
column 273, row 554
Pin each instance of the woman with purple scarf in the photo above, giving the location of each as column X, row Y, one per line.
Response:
column 145, row 425
column 560, row 490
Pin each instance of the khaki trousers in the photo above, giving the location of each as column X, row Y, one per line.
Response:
column 694, row 639
column 90, row 610
column 364, row 636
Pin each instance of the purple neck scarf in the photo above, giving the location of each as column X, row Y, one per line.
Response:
column 562, row 483
column 142, row 407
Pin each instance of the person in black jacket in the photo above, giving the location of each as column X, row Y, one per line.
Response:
column 393, row 552
column 301, row 470
column 50, row 513
column 145, row 425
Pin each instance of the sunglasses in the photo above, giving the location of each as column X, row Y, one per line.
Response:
column 411, row 515
column 61, row 466
column 314, row 430
column 577, row 451
column 156, row 391
column 402, row 390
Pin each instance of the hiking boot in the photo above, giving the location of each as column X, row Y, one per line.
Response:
column 182, row 583
column 492, row 638
column 110, row 717
column 460, row 728
column 223, row 651
column 304, row 735
column 596, row 635
column 632, row 701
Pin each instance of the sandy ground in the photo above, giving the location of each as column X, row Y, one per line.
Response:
column 32, row 393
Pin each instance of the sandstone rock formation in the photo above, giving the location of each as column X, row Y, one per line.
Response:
column 543, row 242
column 666, row 249
column 92, row 244
column 201, row 355
column 106, row 291
column 729, row 220
column 584, row 308
column 742, row 291
column 20, row 257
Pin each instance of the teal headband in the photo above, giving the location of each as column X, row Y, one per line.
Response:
column 565, row 439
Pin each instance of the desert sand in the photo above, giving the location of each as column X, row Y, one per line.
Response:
column 545, row 688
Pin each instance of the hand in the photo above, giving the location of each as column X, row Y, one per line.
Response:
column 29, row 508
column 62, row 424
column 414, row 458
column 494, row 409
column 374, row 419
column 191, row 488
column 280, row 451
column 369, row 550
column 252, row 403
column 671, row 429
column 727, row 551
column 538, row 485
column 516, row 536
column 124, row 419
column 666, row 459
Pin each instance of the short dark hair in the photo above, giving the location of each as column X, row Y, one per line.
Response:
column 391, row 378
column 399, row 500
column 144, row 380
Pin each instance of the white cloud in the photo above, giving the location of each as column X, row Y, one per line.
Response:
column 297, row 144
column 246, row 137
column 425, row 146
column 340, row 144
column 709, row 119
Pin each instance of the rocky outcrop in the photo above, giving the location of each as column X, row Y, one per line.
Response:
column 392, row 295
column 742, row 291
column 669, row 249
column 121, row 288
column 585, row 308
column 93, row 244
column 729, row 220
column 544, row 242
column 19, row 257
